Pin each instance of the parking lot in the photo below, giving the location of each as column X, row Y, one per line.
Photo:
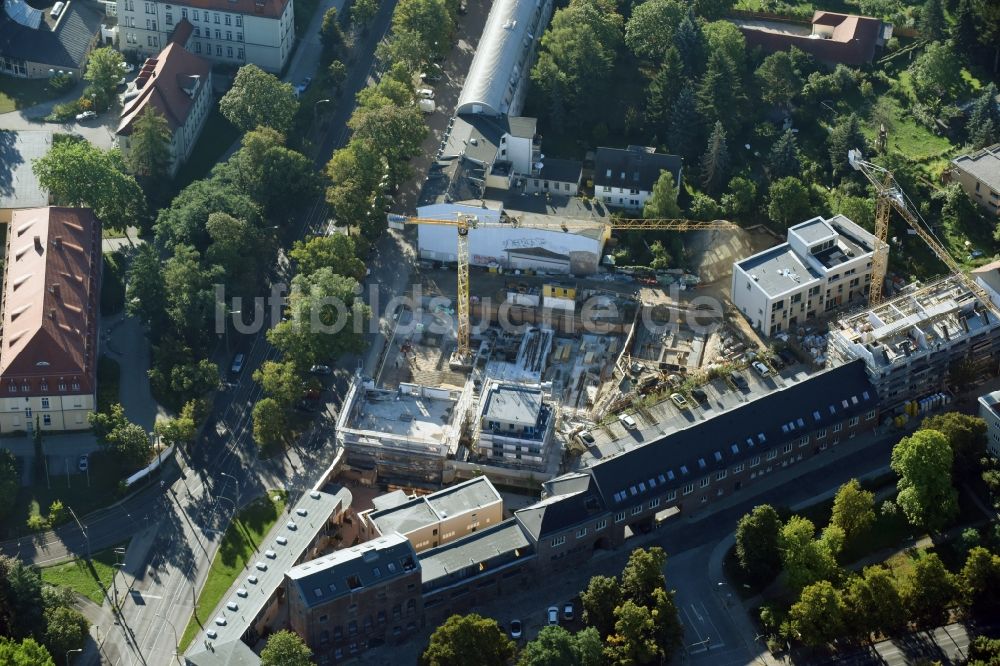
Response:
column 665, row 417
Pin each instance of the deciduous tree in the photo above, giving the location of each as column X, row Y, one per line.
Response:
column 818, row 616
column 362, row 13
column 662, row 202
column 806, row 560
column 936, row 71
column 740, row 198
column 280, row 380
column 724, row 37
column 126, row 439
column 65, row 629
column 394, row 133
column 269, row 422
column 279, row 179
column 965, row 434
column 27, row 652
column 853, row 509
column 643, row 575
column 336, row 251
column 330, row 34
column 428, row 18
column 650, row 30
column 20, row 599
column 634, row 639
column 148, row 155
column 104, row 71
column 757, row 544
column 285, row 648
column 10, row 481
column 873, row 603
column 468, row 639
column 602, row 596
column 788, row 201
column 980, row 581
column 923, row 462
column 552, row 647
column 258, row 99
column 929, row 590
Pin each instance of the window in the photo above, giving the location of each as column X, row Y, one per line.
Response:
column 45, row 403
column 229, row 19
column 76, row 385
column 653, row 503
column 216, row 17
column 582, row 532
column 838, row 427
column 229, row 35
column 218, row 35
column 558, row 541
column 239, row 36
column 229, row 51
column 601, row 524
column 772, row 454
column 804, row 441
column 184, row 12
column 620, row 516
column 239, row 53
column 218, row 49
column 755, row 461
column 44, row 386
column 854, row 421
column 46, row 419
column 239, row 21
column 738, row 469
column 787, row 448
column 704, row 482
column 636, row 510
column 170, row 18
column 870, row 415
column 720, row 475
column 821, row 434
column 149, row 39
column 197, row 33
column 688, row 489
column 672, row 495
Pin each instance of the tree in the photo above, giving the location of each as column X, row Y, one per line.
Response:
column 76, row 173
column 185, row 221
column 928, row 591
column 818, row 616
column 362, row 13
column 667, row 622
column 190, row 294
column 845, row 136
column 778, row 80
column 126, row 439
column 873, row 603
column 983, row 126
column 285, row 648
column 65, row 629
column 713, row 9
column 468, row 639
column 715, row 161
column 602, row 596
column 553, row 647
column 24, row 653
column 269, row 422
column 984, row 651
column 337, row 73
column 783, row 160
column 394, row 133
column 806, row 560
column 336, row 251
column 965, row 434
column 724, row 37
column 634, row 640
column 148, row 154
column 239, row 250
column 853, row 509
column 662, row 202
column 257, row 99
column 402, row 46
column 643, row 575
column 280, row 381
column 144, row 294
column 428, row 18
column 330, row 34
column 935, row 73
column 980, row 581
column 104, row 71
column 923, row 462
column 690, row 43
column 650, row 30
column 20, row 599
column 788, row 201
column 740, row 198
column 278, row 178
column 685, row 125
column 964, row 34
column 932, row 22
column 757, row 544
column 179, row 431
column 10, row 481
column 663, row 90
column 718, row 94
column 588, row 647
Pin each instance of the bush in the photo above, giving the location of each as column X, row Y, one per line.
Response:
column 60, row 83
column 37, row 523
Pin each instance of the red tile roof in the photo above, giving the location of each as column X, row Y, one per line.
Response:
column 182, row 32
column 167, row 83
column 51, row 284
column 853, row 42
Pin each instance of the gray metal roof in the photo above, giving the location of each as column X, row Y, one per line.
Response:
column 349, row 569
column 777, row 269
column 519, row 405
column 563, row 171
column 576, row 502
column 18, row 186
column 65, row 46
column 495, row 71
column 500, row 545
column 983, row 165
column 230, row 653
column 429, row 509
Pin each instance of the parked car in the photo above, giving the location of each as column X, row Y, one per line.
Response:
column 262, row 566
column 86, row 115
column 233, row 606
column 303, row 86
column 699, row 395
column 425, row 93
column 221, row 621
column 674, row 380
column 128, row 67
column 761, row 369
column 627, row 421
column 568, row 612
column 426, row 105
column 553, row 615
column 252, row 579
column 242, row 592
column 788, row 357
column 515, row 629
column 679, row 400
column 237, row 366
column 738, row 380
column 432, row 74
column 83, row 463
column 320, row 370
column 586, row 437
column 270, row 554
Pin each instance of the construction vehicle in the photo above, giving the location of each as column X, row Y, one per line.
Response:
column 890, row 195
column 463, row 223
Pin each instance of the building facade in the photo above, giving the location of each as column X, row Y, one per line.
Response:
column 625, row 178
column 989, row 411
column 35, row 45
column 49, row 341
column 979, row 175
column 824, row 265
column 177, row 85
column 514, row 425
column 230, row 32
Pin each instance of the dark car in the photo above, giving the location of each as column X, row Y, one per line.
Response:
column 738, row 380
column 699, row 395
column 788, row 357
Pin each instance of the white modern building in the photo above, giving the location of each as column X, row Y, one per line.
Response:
column 824, row 265
column 515, row 424
column 625, row 178
column 989, row 411
column 231, row 32
column 177, row 85
column 498, row 78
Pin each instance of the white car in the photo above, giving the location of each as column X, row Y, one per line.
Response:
column 221, row 621
column 252, row 579
column 679, row 400
column 262, row 566
column 553, row 615
column 515, row 629
column 212, row 633
column 627, row 421
column 302, row 512
column 242, row 592
column 425, row 93
column 761, row 369
column 281, row 541
column 291, row 525
column 270, row 554
column 86, row 115
column 233, row 606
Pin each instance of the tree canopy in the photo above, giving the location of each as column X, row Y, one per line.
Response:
column 757, row 544
column 662, row 202
column 257, row 99
column 468, row 639
column 923, row 462
column 650, row 30
column 853, row 509
column 285, row 648
column 104, row 71
column 124, row 438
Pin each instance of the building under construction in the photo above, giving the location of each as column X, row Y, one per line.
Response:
column 912, row 343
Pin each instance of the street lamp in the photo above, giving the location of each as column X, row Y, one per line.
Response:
column 177, row 644
column 69, row 652
column 316, row 108
column 235, row 481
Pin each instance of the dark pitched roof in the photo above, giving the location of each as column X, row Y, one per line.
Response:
column 464, row 558
column 572, row 500
column 182, row 32
column 563, row 171
column 66, row 46
column 634, row 167
column 735, row 435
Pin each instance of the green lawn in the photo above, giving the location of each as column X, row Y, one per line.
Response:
column 237, row 550
column 908, row 137
column 215, row 139
column 21, row 93
column 89, row 580
column 108, row 381
column 105, row 473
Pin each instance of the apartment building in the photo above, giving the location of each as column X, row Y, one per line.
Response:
column 514, row 424
column 49, row 342
column 230, row 32
column 910, row 344
column 824, row 265
column 625, row 178
column 979, row 175
column 989, row 411
column 438, row 518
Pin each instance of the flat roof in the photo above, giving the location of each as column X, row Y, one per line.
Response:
column 519, row 405
column 430, row 509
column 413, row 417
column 349, row 569
column 496, row 546
column 983, row 165
column 777, row 270
column 319, row 506
column 19, row 188
column 814, row 231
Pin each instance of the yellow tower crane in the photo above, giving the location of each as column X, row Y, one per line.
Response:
column 463, row 223
column 890, row 195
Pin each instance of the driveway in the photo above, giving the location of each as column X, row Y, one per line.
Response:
column 123, row 339
column 99, row 131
